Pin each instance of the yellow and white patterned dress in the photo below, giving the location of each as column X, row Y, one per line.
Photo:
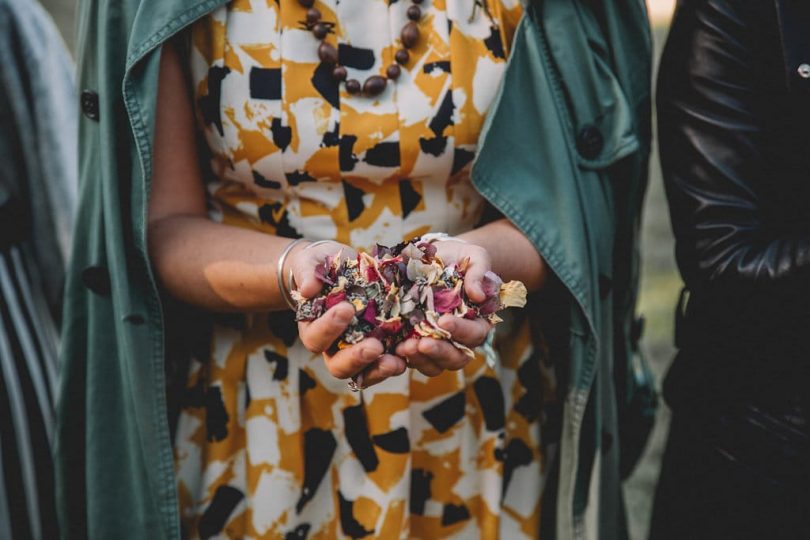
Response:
column 269, row 444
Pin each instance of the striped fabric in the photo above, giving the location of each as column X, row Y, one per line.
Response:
column 28, row 374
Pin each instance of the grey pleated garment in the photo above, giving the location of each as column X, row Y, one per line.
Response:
column 38, row 171
column 28, row 375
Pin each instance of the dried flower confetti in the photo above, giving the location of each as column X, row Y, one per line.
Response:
column 401, row 292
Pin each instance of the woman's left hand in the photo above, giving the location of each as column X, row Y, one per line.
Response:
column 433, row 356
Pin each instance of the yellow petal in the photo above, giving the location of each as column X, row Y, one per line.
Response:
column 513, row 294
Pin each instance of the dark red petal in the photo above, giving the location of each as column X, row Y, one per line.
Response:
column 334, row 299
column 490, row 306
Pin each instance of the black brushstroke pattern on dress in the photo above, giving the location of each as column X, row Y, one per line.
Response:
column 447, row 413
column 319, row 447
column 216, row 417
column 215, row 517
column 355, row 425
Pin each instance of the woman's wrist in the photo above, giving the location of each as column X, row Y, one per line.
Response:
column 512, row 254
column 441, row 237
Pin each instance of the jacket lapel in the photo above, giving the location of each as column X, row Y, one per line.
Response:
column 158, row 20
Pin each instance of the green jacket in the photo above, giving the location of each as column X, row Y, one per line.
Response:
column 563, row 156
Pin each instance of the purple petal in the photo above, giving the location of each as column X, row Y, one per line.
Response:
column 491, row 284
column 416, row 317
column 321, row 272
column 490, row 306
column 429, row 249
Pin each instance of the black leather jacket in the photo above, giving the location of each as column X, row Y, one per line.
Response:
column 734, row 124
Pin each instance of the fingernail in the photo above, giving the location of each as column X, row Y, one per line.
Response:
column 449, row 325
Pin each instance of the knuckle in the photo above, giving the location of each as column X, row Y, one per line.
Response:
column 480, row 253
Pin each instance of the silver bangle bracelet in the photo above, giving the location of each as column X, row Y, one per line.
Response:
column 319, row 243
column 285, row 291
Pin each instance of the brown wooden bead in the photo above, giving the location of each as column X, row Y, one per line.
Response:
column 393, row 72
column 313, row 15
column 327, row 53
column 409, row 35
column 374, row 85
column 414, row 13
column 306, row 3
column 320, row 30
column 353, row 86
column 402, row 56
column 340, row 73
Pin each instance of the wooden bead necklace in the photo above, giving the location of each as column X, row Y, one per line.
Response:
column 374, row 85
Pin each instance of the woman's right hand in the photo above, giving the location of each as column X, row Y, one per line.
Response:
column 320, row 335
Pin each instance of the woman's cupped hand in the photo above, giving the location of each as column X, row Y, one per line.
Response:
column 320, row 335
column 433, row 356
column 427, row 355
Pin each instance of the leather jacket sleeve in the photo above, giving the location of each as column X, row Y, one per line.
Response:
column 713, row 152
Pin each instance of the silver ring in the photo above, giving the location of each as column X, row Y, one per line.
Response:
column 356, row 383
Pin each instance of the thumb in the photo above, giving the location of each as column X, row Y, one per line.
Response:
column 473, row 282
column 305, row 277
column 308, row 285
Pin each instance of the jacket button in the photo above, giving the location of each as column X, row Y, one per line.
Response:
column 90, row 104
column 804, row 71
column 97, row 280
column 590, row 142
column 134, row 319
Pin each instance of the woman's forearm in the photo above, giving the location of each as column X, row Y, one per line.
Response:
column 215, row 266
column 513, row 255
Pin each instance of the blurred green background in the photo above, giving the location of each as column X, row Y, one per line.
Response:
column 660, row 283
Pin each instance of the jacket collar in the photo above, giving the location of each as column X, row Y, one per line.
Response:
column 158, row 20
column 794, row 21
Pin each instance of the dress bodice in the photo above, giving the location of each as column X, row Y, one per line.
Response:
column 294, row 153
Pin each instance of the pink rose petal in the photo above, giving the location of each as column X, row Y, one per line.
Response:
column 446, row 300
column 370, row 314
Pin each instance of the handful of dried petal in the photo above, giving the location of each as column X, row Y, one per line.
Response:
column 401, row 292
